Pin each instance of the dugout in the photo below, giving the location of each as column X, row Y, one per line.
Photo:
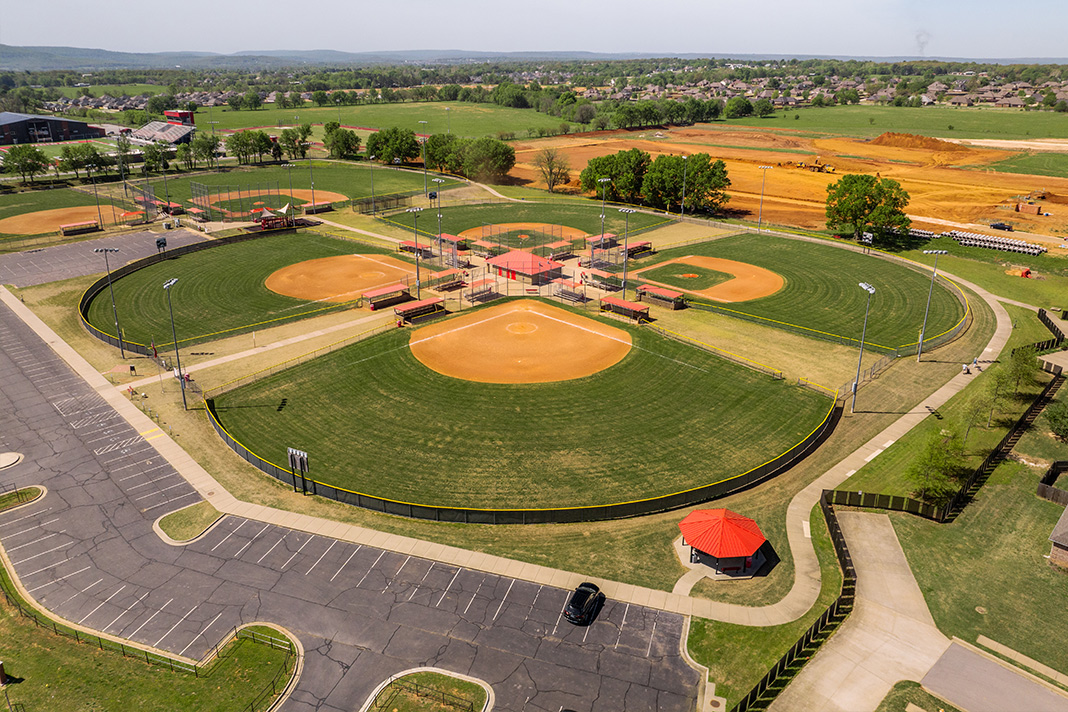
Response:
column 568, row 290
column 79, row 227
column 422, row 310
column 414, row 248
column 561, row 250
column 445, row 279
column 639, row 249
column 387, row 296
column 319, row 207
column 602, row 241
column 603, row 280
column 665, row 297
column 631, row 310
column 487, row 249
column 525, row 267
column 482, row 290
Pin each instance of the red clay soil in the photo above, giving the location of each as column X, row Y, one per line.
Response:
column 904, row 140
column 44, row 221
column 337, row 279
column 750, row 281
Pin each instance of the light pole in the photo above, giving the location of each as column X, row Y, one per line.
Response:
column 372, row 161
column 423, row 144
column 683, row 203
column 415, row 231
column 864, row 332
column 439, row 181
column 177, row 359
column 114, row 310
column 923, row 330
column 311, row 172
column 604, row 186
column 289, row 170
column 448, row 119
column 626, row 234
column 96, row 197
column 764, row 176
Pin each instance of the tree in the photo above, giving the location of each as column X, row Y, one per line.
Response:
column 123, row 149
column 391, row 143
column 259, row 144
column 488, row 159
column 439, row 152
column 553, row 166
column 186, row 156
column 205, row 147
column 1057, row 417
column 1022, row 366
column 155, row 156
column 73, row 156
column 292, row 143
column 973, row 411
column 997, row 386
column 321, row 98
column 705, row 183
column 739, row 106
column 861, row 202
column 763, row 108
column 625, row 171
column 252, row 100
column 236, row 102
column 240, row 145
column 26, row 160
column 342, row 143
column 934, row 471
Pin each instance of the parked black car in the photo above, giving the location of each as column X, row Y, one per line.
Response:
column 1001, row 226
column 584, row 604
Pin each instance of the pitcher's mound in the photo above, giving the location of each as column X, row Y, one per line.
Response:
column 519, row 342
column 338, row 279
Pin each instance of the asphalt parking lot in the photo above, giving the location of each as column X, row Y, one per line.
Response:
column 87, row 552
column 76, row 259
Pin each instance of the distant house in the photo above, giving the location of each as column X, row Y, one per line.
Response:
column 961, row 101
column 1011, row 102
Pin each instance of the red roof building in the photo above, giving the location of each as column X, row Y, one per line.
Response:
column 524, row 266
column 724, row 540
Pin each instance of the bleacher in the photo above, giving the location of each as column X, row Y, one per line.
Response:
column 603, row 280
column 631, row 310
column 446, row 279
column 387, row 296
column 637, row 249
column 666, row 297
column 992, row 242
column 421, row 310
column 78, row 228
column 482, row 290
column 423, row 251
column 568, row 290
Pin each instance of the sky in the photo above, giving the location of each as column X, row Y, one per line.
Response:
column 881, row 28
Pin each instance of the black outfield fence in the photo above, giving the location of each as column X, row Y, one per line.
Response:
column 787, row 667
column 1047, row 488
column 619, row 510
column 1052, row 343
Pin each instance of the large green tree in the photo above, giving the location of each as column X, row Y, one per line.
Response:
column 391, row 143
column 935, row 471
column 342, row 143
column 487, row 159
column 26, row 160
column 863, row 202
column 625, row 171
column 697, row 179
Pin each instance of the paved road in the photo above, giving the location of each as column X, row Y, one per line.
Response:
column 76, row 259
column 975, row 683
column 88, row 553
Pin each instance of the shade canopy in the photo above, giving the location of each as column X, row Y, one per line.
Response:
column 721, row 533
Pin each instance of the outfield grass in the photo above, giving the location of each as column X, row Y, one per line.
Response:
column 674, row 275
column 219, row 290
column 821, row 291
column 753, row 650
column 868, row 120
column 30, row 201
column 583, row 216
column 464, row 119
column 666, row 418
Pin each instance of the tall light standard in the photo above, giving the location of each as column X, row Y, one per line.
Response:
column 683, row 205
column 372, row 161
column 764, row 176
column 423, row 143
column 864, row 332
column 96, row 196
column 114, row 310
column 626, row 234
column 448, row 119
column 604, row 187
column 923, row 330
column 439, row 181
column 181, row 379
column 289, row 170
column 418, row 249
column 311, row 172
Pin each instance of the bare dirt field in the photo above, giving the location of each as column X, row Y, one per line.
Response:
column 338, row 279
column 519, row 342
column 945, row 181
column 750, row 281
column 51, row 220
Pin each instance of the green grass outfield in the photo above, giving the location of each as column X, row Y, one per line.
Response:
column 870, row 121
column 666, row 418
column 822, row 292
column 585, row 217
column 464, row 119
column 672, row 274
column 31, row 201
column 219, row 290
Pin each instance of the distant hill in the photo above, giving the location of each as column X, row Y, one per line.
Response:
column 76, row 58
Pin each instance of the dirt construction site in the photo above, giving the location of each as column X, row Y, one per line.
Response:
column 949, row 184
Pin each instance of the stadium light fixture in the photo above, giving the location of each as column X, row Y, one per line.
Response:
column 114, row 310
column 174, row 335
column 864, row 332
column 626, row 234
column 415, row 231
column 764, row 177
column 923, row 329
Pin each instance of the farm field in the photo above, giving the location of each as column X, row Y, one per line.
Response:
column 821, row 291
column 220, row 291
column 497, row 445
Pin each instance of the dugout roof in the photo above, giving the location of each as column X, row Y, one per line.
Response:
column 523, row 262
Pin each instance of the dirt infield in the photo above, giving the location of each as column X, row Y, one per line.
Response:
column 301, row 193
column 566, row 233
column 337, row 279
column 50, row 220
column 520, row 342
column 750, row 281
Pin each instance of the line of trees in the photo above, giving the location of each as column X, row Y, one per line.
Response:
column 481, row 159
column 666, row 183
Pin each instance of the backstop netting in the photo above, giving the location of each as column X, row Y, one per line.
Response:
column 238, row 203
column 143, row 195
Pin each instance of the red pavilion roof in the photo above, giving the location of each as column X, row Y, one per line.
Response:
column 721, row 533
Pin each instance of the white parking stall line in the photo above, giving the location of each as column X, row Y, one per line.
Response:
column 223, row 540
column 534, row 602
column 446, row 591
column 372, row 567
column 161, row 491
column 125, row 455
column 146, row 484
column 272, row 548
column 293, row 556
column 36, row 541
column 127, row 442
column 131, row 635
column 649, row 650
column 28, row 516
column 321, row 557
column 46, row 585
column 504, row 599
column 180, row 621
column 143, row 595
column 475, row 594
column 625, row 612
column 169, row 501
column 195, row 639
column 346, row 562
column 388, row 582
column 38, row 526
column 412, row 594
column 94, row 583
column 249, row 542
column 561, row 613
column 133, row 464
column 588, row 626
column 46, row 568
column 30, row 558
column 141, row 473
column 101, row 604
